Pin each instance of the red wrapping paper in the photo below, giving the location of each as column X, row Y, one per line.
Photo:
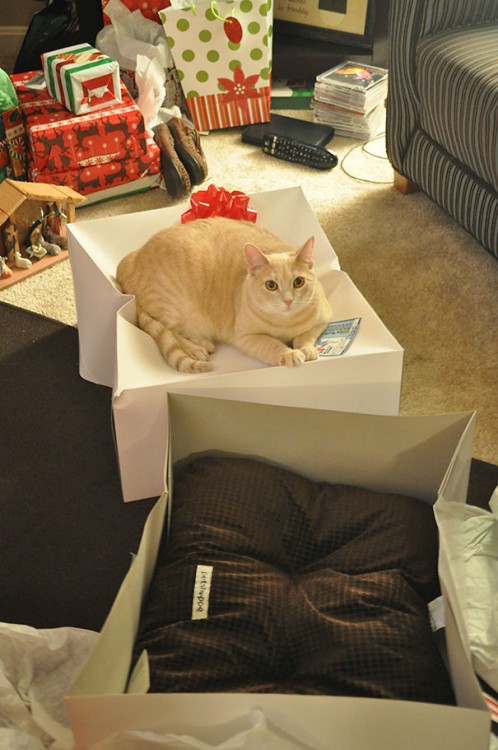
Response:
column 60, row 141
column 13, row 145
column 216, row 201
column 149, row 8
column 91, row 179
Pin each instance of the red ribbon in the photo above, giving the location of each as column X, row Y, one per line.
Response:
column 217, row 201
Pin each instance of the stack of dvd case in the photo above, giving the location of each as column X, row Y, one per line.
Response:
column 351, row 97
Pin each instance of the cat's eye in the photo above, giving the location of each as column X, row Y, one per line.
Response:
column 298, row 282
column 271, row 285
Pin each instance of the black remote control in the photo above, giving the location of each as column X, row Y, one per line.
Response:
column 288, row 149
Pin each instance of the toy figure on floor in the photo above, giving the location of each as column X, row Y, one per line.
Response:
column 11, row 244
column 5, row 271
column 54, row 225
column 226, row 281
column 38, row 246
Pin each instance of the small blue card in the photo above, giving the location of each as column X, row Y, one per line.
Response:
column 337, row 337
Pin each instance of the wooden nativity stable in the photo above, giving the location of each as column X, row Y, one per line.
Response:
column 26, row 207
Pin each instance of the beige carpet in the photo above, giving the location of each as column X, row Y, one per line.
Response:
column 433, row 286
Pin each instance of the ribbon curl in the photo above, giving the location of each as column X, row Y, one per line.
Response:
column 216, row 201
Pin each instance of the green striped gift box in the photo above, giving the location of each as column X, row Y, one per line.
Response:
column 82, row 78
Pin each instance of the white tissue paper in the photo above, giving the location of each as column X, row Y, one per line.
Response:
column 140, row 47
column 480, row 540
column 37, row 667
column 469, row 538
column 150, row 78
column 151, row 84
column 130, row 34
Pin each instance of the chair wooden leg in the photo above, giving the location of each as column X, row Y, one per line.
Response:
column 403, row 184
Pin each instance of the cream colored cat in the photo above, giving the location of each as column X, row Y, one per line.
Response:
column 223, row 281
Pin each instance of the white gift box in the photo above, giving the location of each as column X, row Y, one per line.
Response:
column 116, row 353
column 423, row 457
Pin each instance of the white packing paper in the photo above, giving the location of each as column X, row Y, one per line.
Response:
column 130, row 34
column 469, row 545
column 150, row 78
column 480, row 539
column 139, row 45
column 37, row 668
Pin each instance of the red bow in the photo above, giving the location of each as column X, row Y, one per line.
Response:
column 217, row 201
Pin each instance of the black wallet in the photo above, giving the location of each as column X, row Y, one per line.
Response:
column 304, row 131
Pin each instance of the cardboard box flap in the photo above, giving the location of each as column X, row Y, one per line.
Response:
column 317, row 722
column 140, row 418
column 108, row 667
column 372, row 451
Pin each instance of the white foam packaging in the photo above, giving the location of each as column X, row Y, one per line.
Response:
column 116, row 353
column 427, row 457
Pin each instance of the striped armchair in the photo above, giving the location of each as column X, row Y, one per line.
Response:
column 442, row 107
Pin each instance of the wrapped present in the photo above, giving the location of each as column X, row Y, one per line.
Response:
column 82, row 78
column 148, row 9
column 101, row 155
column 13, row 150
column 60, row 141
column 12, row 133
column 109, row 178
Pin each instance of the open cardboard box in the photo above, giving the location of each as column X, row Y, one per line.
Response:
column 425, row 457
column 116, row 353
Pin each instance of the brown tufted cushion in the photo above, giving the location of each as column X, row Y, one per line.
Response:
column 316, row 588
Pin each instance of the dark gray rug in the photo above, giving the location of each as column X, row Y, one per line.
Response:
column 66, row 536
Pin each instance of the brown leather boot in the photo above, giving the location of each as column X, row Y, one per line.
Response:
column 175, row 175
column 189, row 149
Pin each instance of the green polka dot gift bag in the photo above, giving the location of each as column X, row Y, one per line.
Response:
column 222, row 53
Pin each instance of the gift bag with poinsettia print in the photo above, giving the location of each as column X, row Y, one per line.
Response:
column 222, row 52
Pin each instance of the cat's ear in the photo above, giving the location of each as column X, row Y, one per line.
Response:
column 254, row 257
column 305, row 254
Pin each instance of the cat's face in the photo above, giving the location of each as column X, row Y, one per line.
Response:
column 281, row 283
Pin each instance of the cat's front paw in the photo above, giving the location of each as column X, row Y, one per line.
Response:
column 310, row 352
column 195, row 365
column 292, row 358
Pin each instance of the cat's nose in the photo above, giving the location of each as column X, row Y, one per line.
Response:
column 288, row 301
